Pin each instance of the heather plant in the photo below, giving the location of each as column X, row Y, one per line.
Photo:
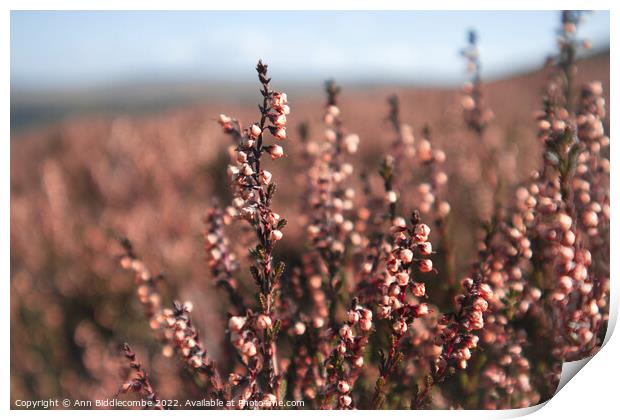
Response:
column 368, row 312
column 380, row 263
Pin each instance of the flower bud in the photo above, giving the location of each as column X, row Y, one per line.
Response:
column 248, row 349
column 564, row 221
column 265, row 177
column 343, row 387
column 418, row 289
column 425, row 248
column 406, row 256
column 263, row 322
column 425, row 266
column 280, row 133
column 299, row 328
column 276, row 151
column 400, row 327
column 402, row 278
column 236, row 323
column 345, row 400
column 255, row 130
column 346, row 333
column 353, row 317
column 422, row 231
column 275, row 235
column 365, row 324
column 358, row 362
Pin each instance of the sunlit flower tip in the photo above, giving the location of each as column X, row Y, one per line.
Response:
column 422, row 231
column 286, row 110
column 196, row 362
column 400, row 327
column 333, row 110
column 365, row 313
column 425, row 266
column 280, row 133
column 278, row 100
column 338, row 247
column 276, row 151
column 422, row 309
column 486, row 291
column 247, row 169
column 353, row 317
column 440, row 156
column 441, row 178
column 468, row 103
column 299, row 328
column 236, row 323
column 248, row 349
column 426, row 248
column 224, row 119
column 255, row 130
column 418, row 289
column 559, row 125
column 167, row 351
column 279, row 120
column 343, row 387
column 242, row 157
column 544, row 125
column 564, row 220
column 590, row 219
column 358, row 362
column 406, row 256
column 273, row 218
column 188, row 306
column 263, row 322
column 345, row 400
column 391, row 197
column 125, row 262
column 444, row 208
column 586, row 336
column 399, row 222
column 330, row 135
column 275, row 235
column 346, row 333
column 265, row 177
column 402, row 279
column 318, row 322
column 480, row 304
column 365, row 324
column 351, row 143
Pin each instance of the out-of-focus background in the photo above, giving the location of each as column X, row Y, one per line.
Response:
column 113, row 132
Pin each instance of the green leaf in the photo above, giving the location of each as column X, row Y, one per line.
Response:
column 258, row 278
column 278, row 271
column 283, row 385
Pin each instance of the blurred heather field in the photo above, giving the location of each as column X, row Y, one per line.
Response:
column 80, row 182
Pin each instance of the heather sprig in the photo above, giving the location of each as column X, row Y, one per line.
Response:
column 400, row 292
column 173, row 325
column 253, row 189
column 221, row 260
column 346, row 360
column 331, row 200
column 139, row 381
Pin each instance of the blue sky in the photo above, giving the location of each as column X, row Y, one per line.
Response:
column 61, row 49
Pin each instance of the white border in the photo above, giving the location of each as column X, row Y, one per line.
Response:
column 593, row 394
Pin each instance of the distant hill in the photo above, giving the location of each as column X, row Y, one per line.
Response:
column 31, row 109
